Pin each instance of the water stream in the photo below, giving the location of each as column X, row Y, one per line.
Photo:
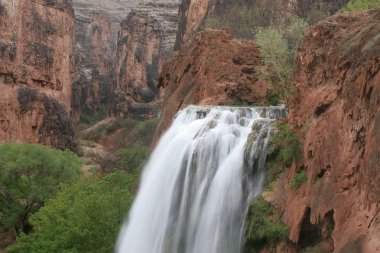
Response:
column 199, row 181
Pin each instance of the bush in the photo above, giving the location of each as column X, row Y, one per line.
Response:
column 357, row 5
column 278, row 47
column 134, row 158
column 298, row 179
column 30, row 175
column 84, row 217
column 263, row 224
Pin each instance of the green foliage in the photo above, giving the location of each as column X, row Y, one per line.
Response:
column 30, row 175
column 84, row 217
column 287, row 143
column 278, row 47
column 134, row 158
column 357, row 5
column 90, row 119
column 284, row 148
column 87, row 143
column 263, row 224
column 298, row 179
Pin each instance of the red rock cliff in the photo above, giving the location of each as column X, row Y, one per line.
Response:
column 211, row 69
column 242, row 17
column 36, row 40
column 336, row 114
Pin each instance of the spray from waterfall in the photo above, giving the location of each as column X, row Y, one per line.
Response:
column 199, row 181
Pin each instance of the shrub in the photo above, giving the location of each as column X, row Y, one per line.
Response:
column 357, row 5
column 84, row 216
column 134, row 158
column 278, row 47
column 29, row 176
column 263, row 224
column 287, row 144
column 298, row 179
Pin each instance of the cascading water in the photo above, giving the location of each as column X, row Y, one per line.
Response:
column 199, row 181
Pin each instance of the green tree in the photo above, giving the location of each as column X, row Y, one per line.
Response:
column 357, row 5
column 84, row 217
column 278, row 48
column 29, row 175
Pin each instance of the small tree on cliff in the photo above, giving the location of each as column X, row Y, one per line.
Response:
column 278, row 48
column 29, row 175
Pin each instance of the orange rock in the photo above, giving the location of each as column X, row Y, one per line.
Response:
column 212, row 69
column 335, row 111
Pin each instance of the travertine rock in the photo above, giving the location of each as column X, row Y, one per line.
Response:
column 336, row 113
column 212, row 69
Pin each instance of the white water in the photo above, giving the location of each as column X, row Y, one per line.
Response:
column 199, row 181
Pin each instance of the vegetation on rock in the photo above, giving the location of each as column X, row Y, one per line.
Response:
column 358, row 5
column 284, row 149
column 29, row 175
column 298, row 179
column 264, row 225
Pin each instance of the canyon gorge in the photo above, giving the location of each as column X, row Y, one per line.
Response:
column 188, row 82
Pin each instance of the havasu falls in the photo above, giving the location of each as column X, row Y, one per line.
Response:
column 199, row 182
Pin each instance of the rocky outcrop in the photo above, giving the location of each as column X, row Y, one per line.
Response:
column 336, row 113
column 36, row 40
column 242, row 17
column 146, row 39
column 212, row 69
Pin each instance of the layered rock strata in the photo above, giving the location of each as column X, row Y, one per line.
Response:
column 36, row 39
column 146, row 40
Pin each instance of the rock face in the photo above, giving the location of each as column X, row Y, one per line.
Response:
column 36, row 40
column 93, row 79
column 96, row 24
column 212, row 69
column 146, row 39
column 243, row 16
column 336, row 113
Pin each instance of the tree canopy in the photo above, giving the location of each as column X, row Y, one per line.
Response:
column 29, row 175
column 85, row 216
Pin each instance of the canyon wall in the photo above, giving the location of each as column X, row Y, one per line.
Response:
column 36, row 40
column 213, row 69
column 94, row 56
column 243, row 17
column 96, row 31
column 335, row 112
column 146, row 39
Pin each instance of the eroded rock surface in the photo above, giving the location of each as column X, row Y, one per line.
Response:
column 212, row 69
column 336, row 114
column 36, row 39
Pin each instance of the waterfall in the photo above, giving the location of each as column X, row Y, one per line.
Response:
column 199, row 181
